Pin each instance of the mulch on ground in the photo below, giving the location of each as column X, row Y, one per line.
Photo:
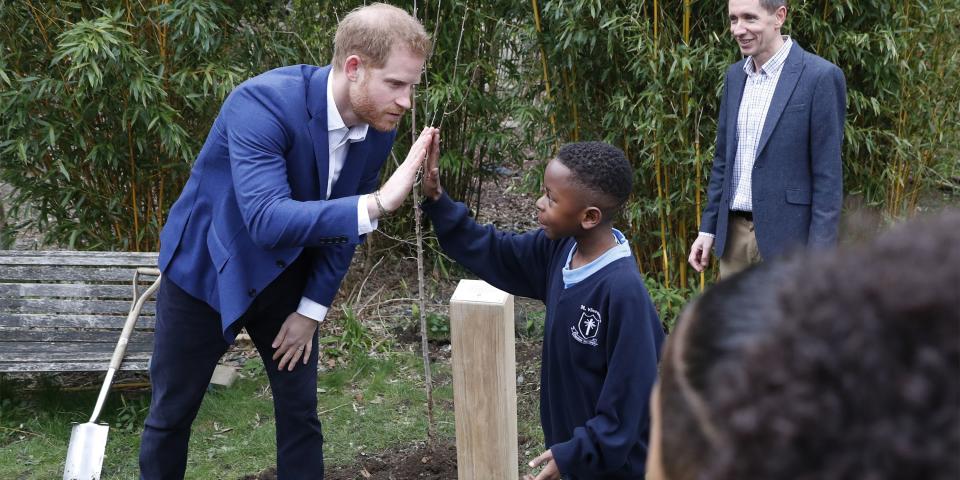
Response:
column 418, row 461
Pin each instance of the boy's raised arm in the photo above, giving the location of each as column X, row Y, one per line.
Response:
column 515, row 263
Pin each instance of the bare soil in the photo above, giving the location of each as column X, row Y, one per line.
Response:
column 417, row 461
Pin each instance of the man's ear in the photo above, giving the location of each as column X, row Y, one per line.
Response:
column 781, row 14
column 591, row 217
column 352, row 66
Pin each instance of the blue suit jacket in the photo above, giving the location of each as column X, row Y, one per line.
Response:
column 256, row 197
column 797, row 181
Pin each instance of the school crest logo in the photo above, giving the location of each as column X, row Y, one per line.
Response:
column 586, row 329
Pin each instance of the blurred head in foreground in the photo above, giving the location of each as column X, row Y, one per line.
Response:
column 843, row 365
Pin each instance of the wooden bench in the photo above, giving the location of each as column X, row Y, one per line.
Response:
column 64, row 310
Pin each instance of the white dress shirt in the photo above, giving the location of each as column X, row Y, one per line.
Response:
column 339, row 138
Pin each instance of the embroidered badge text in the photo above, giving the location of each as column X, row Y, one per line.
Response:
column 585, row 331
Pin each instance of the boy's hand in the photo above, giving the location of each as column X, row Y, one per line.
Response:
column 550, row 470
column 431, row 170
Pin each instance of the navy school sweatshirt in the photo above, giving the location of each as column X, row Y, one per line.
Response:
column 601, row 341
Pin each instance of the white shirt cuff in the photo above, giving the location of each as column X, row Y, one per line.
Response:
column 705, row 234
column 364, row 224
column 313, row 310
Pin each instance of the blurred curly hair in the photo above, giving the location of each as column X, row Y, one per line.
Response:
column 832, row 366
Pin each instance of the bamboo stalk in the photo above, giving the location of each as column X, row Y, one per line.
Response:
column 899, row 162
column 699, row 184
column 569, row 98
column 901, row 166
column 681, row 266
column 656, row 24
column 937, row 118
column 663, row 223
column 134, row 206
column 160, row 217
column 43, row 30
column 546, row 74
column 686, row 111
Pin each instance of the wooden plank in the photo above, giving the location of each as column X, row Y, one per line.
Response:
column 50, row 350
column 70, row 290
column 47, row 320
column 71, row 335
column 484, row 382
column 111, row 262
column 79, row 253
column 67, row 257
column 129, row 364
column 46, row 273
column 67, row 357
column 79, row 356
column 50, row 273
column 52, row 305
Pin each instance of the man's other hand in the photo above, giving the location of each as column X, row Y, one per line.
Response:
column 295, row 341
column 700, row 252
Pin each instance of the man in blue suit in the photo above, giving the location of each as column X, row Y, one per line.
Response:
column 777, row 180
column 265, row 228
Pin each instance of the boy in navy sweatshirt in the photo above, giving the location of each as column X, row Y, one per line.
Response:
column 602, row 335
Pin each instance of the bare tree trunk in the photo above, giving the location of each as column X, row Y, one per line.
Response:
column 424, row 342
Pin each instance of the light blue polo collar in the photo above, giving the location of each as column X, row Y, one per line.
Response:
column 573, row 276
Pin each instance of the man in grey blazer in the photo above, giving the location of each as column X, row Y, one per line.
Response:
column 777, row 181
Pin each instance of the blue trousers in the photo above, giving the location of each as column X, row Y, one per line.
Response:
column 188, row 343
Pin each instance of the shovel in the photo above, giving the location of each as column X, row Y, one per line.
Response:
column 88, row 441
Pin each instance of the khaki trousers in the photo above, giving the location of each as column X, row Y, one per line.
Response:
column 741, row 249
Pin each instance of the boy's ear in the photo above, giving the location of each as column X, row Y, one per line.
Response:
column 590, row 218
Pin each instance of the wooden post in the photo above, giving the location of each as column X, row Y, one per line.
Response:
column 484, row 382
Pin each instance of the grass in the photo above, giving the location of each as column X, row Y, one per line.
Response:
column 366, row 404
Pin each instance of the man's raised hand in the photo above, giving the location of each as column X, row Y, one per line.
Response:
column 391, row 195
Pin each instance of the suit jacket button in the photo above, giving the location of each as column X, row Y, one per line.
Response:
column 252, row 292
column 281, row 264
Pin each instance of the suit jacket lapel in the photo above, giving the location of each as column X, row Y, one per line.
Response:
column 785, row 85
column 317, row 109
column 349, row 178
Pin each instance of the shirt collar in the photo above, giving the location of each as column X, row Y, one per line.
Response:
column 773, row 66
column 357, row 133
column 573, row 276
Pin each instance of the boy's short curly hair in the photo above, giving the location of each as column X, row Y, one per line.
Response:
column 834, row 365
column 602, row 170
